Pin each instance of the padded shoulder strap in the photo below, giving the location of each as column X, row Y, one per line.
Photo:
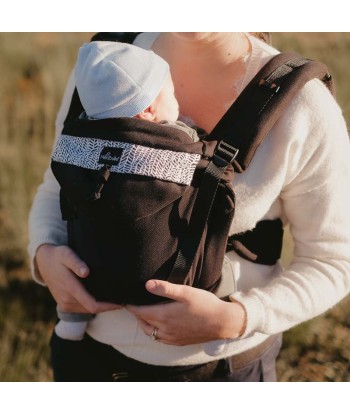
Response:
column 76, row 108
column 247, row 122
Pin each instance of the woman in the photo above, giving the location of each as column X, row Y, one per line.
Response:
column 299, row 174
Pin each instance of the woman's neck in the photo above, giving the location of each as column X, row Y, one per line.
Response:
column 211, row 50
column 207, row 70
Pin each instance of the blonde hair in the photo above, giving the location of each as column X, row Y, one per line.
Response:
column 265, row 36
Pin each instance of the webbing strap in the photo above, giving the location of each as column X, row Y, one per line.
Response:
column 285, row 69
column 199, row 218
column 252, row 245
column 257, row 109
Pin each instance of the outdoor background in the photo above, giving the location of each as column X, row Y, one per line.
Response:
column 34, row 68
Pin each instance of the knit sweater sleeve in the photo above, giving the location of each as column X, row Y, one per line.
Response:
column 316, row 202
column 45, row 223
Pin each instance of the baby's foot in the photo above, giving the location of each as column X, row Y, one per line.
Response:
column 70, row 330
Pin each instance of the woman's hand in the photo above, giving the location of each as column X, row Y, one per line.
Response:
column 195, row 316
column 59, row 267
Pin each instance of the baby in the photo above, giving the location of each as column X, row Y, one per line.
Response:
column 121, row 80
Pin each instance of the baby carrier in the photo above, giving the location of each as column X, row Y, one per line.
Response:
column 142, row 201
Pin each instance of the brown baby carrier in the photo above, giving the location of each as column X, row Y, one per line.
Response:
column 143, row 201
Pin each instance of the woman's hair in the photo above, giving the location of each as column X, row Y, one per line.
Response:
column 265, row 36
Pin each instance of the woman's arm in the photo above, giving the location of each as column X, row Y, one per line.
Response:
column 316, row 203
column 53, row 263
column 45, row 222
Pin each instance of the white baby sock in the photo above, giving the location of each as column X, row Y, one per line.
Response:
column 71, row 330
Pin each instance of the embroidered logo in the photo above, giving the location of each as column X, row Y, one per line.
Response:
column 110, row 155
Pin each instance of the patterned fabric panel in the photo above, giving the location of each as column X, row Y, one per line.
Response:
column 92, row 153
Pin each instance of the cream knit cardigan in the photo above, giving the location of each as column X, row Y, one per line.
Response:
column 301, row 174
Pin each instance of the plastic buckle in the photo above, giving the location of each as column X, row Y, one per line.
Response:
column 224, row 154
column 119, row 376
column 268, row 85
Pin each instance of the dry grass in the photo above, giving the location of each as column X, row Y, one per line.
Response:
column 34, row 70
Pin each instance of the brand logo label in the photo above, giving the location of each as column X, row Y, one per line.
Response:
column 111, row 155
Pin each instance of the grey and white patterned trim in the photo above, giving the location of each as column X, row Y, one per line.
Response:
column 173, row 166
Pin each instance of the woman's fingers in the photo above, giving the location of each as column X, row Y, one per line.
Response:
column 88, row 302
column 151, row 331
column 196, row 316
column 150, row 314
column 166, row 289
column 71, row 260
column 58, row 266
column 159, row 314
column 147, row 328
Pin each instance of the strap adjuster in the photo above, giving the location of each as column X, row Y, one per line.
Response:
column 224, row 154
column 271, row 86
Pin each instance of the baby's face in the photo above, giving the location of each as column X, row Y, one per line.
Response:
column 166, row 105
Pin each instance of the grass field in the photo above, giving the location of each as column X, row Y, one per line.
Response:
column 34, row 69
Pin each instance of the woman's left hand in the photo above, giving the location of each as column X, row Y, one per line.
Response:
column 195, row 316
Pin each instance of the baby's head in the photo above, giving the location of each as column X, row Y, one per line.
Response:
column 121, row 80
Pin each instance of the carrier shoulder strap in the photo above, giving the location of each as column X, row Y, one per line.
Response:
column 247, row 122
column 239, row 133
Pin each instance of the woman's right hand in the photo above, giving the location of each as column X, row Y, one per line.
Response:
column 59, row 267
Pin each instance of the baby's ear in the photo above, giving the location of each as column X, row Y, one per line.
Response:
column 147, row 114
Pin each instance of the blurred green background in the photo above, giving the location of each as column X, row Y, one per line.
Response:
column 34, row 68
